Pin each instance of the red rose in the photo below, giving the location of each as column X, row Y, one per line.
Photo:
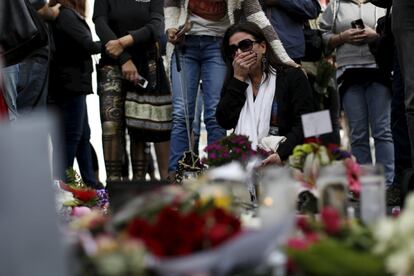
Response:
column 138, row 228
column 331, row 220
column 302, row 222
column 218, row 234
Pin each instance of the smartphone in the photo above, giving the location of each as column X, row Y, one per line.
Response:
column 142, row 82
column 357, row 24
column 180, row 31
column 184, row 28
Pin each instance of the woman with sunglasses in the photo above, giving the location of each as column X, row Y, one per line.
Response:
column 199, row 42
column 262, row 98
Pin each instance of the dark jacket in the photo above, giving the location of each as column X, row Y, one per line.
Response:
column 293, row 96
column 72, row 63
column 287, row 18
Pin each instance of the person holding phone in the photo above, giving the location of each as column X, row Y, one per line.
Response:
column 348, row 27
column 133, row 87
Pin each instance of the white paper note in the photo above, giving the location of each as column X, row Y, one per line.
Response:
column 316, row 123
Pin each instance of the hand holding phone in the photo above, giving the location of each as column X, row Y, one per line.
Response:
column 142, row 82
column 358, row 24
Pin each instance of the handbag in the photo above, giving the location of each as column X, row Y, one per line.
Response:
column 383, row 47
column 149, row 110
column 21, row 30
column 313, row 43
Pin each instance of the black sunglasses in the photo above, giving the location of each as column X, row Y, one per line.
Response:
column 245, row 45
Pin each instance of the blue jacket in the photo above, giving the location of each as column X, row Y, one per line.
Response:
column 287, row 18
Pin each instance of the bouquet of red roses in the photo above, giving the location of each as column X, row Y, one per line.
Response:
column 176, row 233
column 232, row 147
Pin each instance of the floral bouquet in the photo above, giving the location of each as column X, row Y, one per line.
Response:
column 308, row 158
column 156, row 228
column 173, row 232
column 172, row 221
column 232, row 147
column 333, row 246
column 82, row 194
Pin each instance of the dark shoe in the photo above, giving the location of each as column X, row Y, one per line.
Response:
column 393, row 196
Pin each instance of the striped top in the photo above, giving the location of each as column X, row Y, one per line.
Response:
column 176, row 12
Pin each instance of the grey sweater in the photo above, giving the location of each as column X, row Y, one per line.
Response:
column 337, row 18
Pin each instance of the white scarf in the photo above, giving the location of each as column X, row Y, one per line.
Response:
column 254, row 119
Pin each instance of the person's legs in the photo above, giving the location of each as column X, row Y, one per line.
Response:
column 95, row 163
column 73, row 113
column 197, row 119
column 33, row 85
column 399, row 128
column 213, row 72
column 10, row 83
column 356, row 110
column 403, row 30
column 139, row 158
column 190, row 76
column 84, row 151
column 162, row 150
column 378, row 98
column 111, row 100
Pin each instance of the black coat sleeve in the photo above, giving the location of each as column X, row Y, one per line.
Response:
column 299, row 100
column 69, row 23
column 100, row 18
column 155, row 26
column 231, row 103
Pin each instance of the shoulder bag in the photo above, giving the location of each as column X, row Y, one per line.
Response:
column 21, row 30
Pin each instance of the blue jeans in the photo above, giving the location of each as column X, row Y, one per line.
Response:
column 25, row 86
column 368, row 106
column 77, row 136
column 10, row 81
column 200, row 59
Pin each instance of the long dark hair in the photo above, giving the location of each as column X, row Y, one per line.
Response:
column 272, row 61
column 77, row 5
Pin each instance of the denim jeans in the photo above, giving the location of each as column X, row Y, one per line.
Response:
column 77, row 136
column 10, row 80
column 200, row 59
column 197, row 120
column 368, row 107
column 403, row 31
column 25, row 86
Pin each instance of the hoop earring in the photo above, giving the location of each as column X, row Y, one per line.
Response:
column 264, row 62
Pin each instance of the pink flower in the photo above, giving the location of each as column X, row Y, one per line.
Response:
column 298, row 244
column 80, row 211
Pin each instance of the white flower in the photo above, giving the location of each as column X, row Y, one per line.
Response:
column 405, row 225
column 399, row 263
column 409, row 203
column 384, row 233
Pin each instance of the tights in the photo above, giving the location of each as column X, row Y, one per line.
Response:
column 112, row 100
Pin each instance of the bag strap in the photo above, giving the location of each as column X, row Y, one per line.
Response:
column 335, row 9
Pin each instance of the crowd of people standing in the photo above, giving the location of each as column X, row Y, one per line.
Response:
column 247, row 54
